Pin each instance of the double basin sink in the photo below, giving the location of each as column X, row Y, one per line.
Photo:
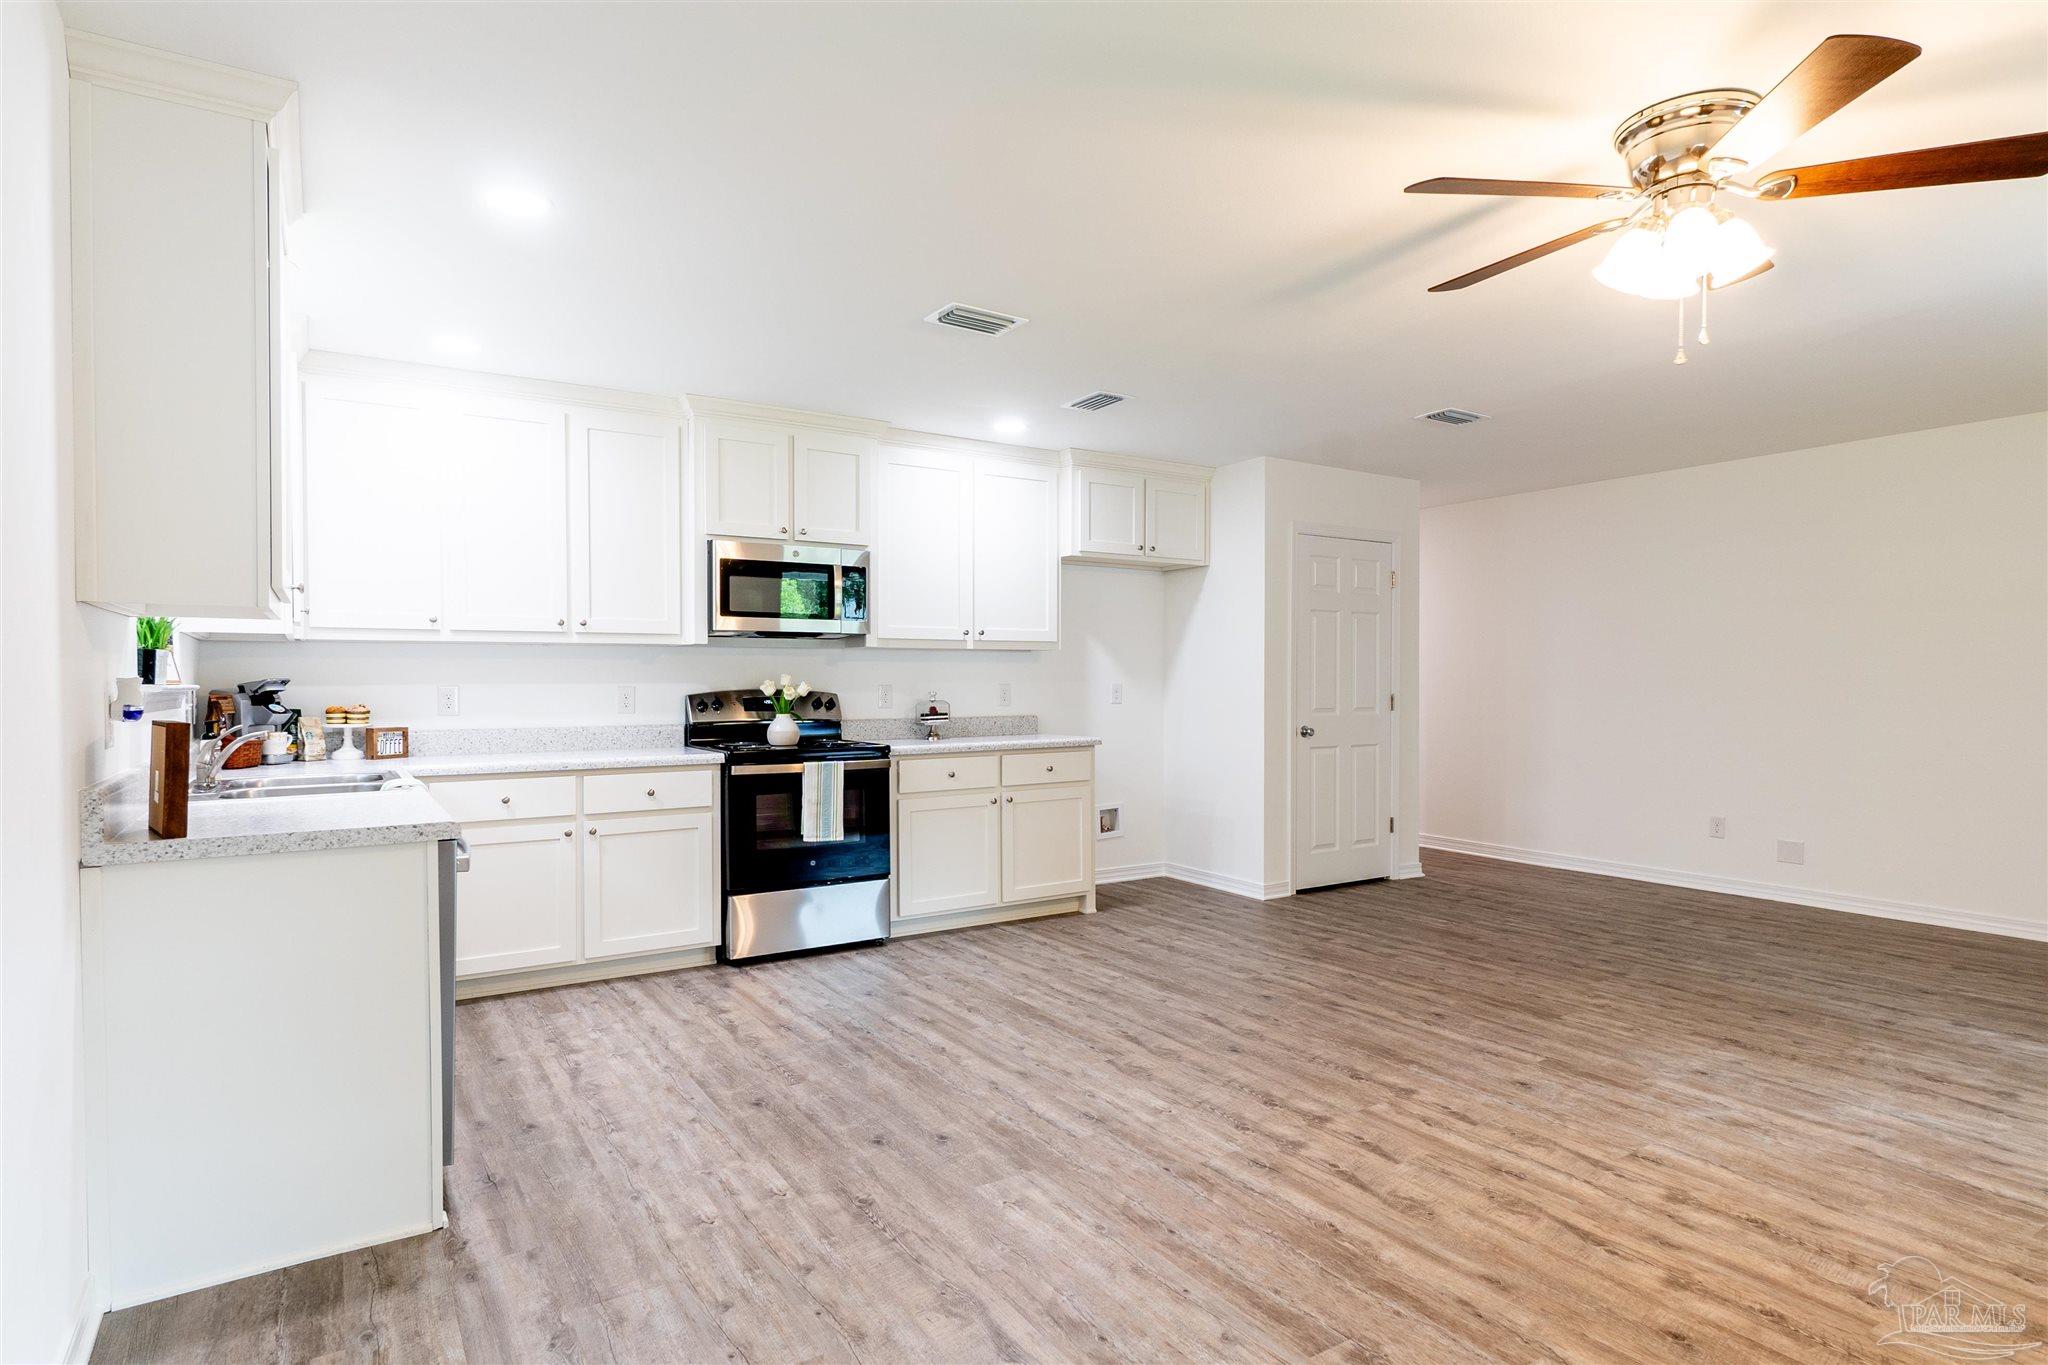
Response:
column 345, row 782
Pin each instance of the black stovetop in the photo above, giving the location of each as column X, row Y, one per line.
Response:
column 809, row 747
column 736, row 724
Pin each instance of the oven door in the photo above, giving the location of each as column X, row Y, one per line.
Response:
column 805, row 824
column 768, row 588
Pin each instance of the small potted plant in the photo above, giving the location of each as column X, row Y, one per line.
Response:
column 782, row 731
column 152, row 647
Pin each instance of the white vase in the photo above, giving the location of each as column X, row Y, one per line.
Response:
column 782, row 730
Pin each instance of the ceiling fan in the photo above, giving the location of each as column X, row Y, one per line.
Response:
column 1688, row 153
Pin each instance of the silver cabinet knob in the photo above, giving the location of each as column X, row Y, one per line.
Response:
column 1308, row 732
column 433, row 620
column 981, row 632
column 1009, row 798
column 803, row 530
column 991, row 800
column 650, row 791
column 583, row 621
column 593, row 829
column 783, row 529
column 1152, row 549
column 963, row 634
column 568, row 834
column 561, row 620
column 951, row 774
column 504, row 800
column 1048, row 767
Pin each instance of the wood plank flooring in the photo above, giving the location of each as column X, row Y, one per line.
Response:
column 1502, row 1113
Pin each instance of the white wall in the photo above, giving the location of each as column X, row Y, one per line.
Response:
column 1110, row 631
column 1846, row 646
column 1228, row 708
column 56, row 663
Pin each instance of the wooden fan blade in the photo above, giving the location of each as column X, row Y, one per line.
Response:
column 1535, row 189
column 1834, row 73
column 1487, row 272
column 1717, row 288
column 2000, row 158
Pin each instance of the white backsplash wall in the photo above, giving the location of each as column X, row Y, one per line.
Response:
column 1111, row 632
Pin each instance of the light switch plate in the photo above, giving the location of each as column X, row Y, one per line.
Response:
column 629, row 699
column 1792, row 851
column 447, row 701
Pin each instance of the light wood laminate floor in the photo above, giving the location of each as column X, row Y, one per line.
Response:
column 1501, row 1113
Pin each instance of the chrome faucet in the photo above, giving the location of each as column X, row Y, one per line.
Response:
column 215, row 755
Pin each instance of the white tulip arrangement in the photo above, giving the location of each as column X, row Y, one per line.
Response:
column 784, row 693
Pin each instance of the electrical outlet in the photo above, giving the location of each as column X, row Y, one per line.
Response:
column 1116, row 694
column 885, row 696
column 1792, row 851
column 1717, row 826
column 447, row 701
column 629, row 699
column 1002, row 694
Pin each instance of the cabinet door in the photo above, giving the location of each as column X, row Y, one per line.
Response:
column 1016, row 552
column 625, row 524
column 172, row 344
column 746, row 470
column 948, row 853
column 831, row 488
column 516, row 906
column 650, row 882
column 924, row 555
column 1048, row 841
column 374, row 473
column 507, row 551
column 1177, row 520
column 1107, row 511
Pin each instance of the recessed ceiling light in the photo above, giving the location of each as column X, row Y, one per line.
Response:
column 520, row 202
column 460, row 346
column 1010, row 426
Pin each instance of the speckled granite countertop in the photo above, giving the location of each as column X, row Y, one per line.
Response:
column 977, row 744
column 114, row 824
column 558, row 761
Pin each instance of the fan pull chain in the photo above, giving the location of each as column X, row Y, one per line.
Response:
column 1679, row 359
column 1704, row 338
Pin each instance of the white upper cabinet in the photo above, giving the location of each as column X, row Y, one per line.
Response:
column 830, row 481
column 436, row 508
column 1016, row 552
column 747, row 480
column 506, row 551
column 1121, row 510
column 373, row 467
column 1108, row 510
column 1177, row 519
column 924, row 556
column 625, row 531
column 175, row 331
column 768, row 475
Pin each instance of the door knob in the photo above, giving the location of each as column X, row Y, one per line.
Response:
column 1308, row 732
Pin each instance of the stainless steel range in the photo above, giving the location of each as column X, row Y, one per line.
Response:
column 806, row 859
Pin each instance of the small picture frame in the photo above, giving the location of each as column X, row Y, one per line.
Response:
column 386, row 741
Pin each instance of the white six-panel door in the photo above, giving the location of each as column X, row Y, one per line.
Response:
column 1342, row 721
column 508, row 517
column 1016, row 552
column 625, row 524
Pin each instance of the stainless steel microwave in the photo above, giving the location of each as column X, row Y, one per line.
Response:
column 765, row 587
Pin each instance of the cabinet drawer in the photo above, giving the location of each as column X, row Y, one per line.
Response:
column 947, row 772
column 673, row 789
column 472, row 799
column 1048, row 765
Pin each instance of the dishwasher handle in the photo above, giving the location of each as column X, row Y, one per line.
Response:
column 461, row 854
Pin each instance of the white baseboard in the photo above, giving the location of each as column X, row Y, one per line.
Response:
column 1236, row 886
column 1405, row 871
column 1732, row 886
column 85, row 1323
column 1135, row 872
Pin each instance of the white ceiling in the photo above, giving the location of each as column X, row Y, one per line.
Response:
column 1198, row 206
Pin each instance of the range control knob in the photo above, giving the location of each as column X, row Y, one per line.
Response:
column 831, row 703
column 717, row 703
column 702, row 705
column 817, row 703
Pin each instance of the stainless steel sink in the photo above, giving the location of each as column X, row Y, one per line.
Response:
column 234, row 787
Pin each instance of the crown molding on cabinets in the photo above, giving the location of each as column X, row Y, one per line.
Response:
column 167, row 75
column 967, row 445
column 336, row 365
column 701, row 406
column 1138, row 464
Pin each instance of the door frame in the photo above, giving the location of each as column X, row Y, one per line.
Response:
column 1396, row 542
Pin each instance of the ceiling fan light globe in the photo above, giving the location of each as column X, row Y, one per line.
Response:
column 1737, row 250
column 1689, row 240
column 1630, row 262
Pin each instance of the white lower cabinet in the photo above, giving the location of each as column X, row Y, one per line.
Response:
column 948, row 852
column 1024, row 833
column 1048, row 842
column 567, row 870
column 650, row 882
column 516, row 906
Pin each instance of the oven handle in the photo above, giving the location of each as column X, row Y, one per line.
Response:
column 765, row 769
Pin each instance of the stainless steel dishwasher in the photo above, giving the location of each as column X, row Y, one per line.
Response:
column 454, row 859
